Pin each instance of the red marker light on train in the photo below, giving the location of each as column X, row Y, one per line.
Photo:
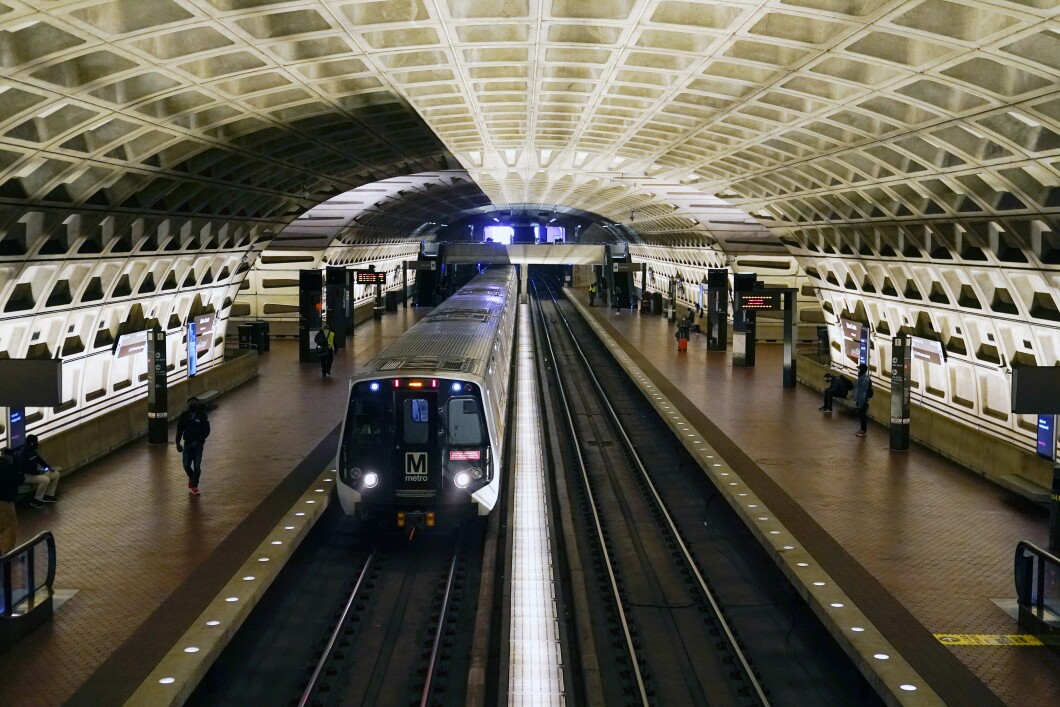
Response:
column 397, row 382
column 434, row 383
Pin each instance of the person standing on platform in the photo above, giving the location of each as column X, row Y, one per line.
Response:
column 592, row 294
column 862, row 393
column 10, row 479
column 193, row 426
column 325, row 341
column 35, row 470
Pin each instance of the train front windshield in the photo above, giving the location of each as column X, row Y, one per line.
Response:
column 415, row 438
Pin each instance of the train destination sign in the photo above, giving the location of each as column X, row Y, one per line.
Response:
column 928, row 350
column 370, row 277
column 758, row 300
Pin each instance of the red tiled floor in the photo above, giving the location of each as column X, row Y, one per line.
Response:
column 939, row 538
column 128, row 534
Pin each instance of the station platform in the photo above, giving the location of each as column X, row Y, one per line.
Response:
column 922, row 547
column 139, row 557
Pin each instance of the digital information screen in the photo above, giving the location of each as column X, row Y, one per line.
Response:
column 370, row 277
column 1046, row 446
column 759, row 300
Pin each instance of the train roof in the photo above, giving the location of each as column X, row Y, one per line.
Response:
column 456, row 337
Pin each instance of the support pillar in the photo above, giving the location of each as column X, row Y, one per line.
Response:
column 901, row 388
column 337, row 303
column 157, row 390
column 789, row 338
column 309, row 305
column 743, row 323
column 717, row 309
column 1054, row 512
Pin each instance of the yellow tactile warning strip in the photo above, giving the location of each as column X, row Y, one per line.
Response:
column 983, row 639
column 186, row 663
column 877, row 659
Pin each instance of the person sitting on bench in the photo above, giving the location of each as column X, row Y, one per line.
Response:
column 838, row 387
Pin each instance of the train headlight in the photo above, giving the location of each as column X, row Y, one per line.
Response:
column 462, row 479
column 371, row 480
column 457, row 387
column 374, row 387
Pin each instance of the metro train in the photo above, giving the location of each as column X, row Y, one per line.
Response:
column 423, row 437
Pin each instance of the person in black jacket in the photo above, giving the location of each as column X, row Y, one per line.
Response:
column 10, row 478
column 838, row 387
column 35, row 470
column 193, row 426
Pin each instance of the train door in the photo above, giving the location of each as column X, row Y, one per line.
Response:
column 417, row 454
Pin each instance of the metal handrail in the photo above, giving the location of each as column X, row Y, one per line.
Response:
column 1033, row 566
column 25, row 555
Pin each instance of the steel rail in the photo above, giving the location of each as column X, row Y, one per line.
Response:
column 631, row 449
column 630, row 647
column 441, row 628
column 329, row 650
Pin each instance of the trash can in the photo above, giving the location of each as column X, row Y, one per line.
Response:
column 392, row 301
column 246, row 336
column 377, row 311
column 260, row 333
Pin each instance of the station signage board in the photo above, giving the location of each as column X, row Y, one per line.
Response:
column 622, row 267
column 852, row 339
column 204, row 324
column 370, row 277
column 132, row 344
column 418, row 265
column 851, row 329
column 928, row 350
column 31, row 381
column 758, row 300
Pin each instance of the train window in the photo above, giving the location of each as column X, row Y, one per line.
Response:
column 417, row 417
column 366, row 417
column 465, row 422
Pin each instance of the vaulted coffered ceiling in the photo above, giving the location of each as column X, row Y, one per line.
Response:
column 169, row 103
column 905, row 155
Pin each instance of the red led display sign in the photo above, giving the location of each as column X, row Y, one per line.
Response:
column 759, row 300
column 370, row 277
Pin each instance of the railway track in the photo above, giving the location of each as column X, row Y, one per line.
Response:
column 359, row 619
column 388, row 647
column 687, row 608
column 671, row 639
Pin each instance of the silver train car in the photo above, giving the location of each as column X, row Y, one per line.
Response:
column 423, row 437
